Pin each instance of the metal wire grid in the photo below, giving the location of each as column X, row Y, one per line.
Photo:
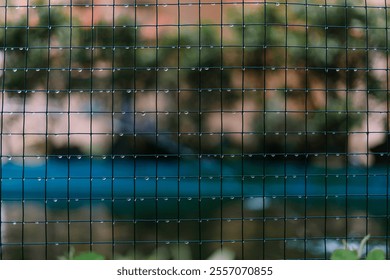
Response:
column 217, row 85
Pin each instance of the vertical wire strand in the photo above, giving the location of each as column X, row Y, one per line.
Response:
column 200, row 152
column 264, row 127
column 113, row 92
column 3, row 90
column 285, row 91
column 222, row 220
column 156, row 132
column 306, row 148
column 326, row 92
column 68, row 140
column 387, row 126
column 178, row 108
column 46, row 129
column 91, row 148
column 243, row 131
column 25, row 92
column 134, row 129
column 367, row 66
column 347, row 115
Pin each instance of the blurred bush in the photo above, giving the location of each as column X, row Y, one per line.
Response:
column 274, row 78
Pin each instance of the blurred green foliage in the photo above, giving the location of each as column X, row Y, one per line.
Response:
column 333, row 49
column 358, row 254
column 290, row 50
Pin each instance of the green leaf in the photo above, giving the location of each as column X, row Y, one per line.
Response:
column 89, row 256
column 344, row 254
column 376, row 254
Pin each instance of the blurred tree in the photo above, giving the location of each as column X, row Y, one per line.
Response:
column 308, row 63
column 332, row 49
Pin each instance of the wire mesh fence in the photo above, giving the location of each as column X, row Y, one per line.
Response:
column 177, row 129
